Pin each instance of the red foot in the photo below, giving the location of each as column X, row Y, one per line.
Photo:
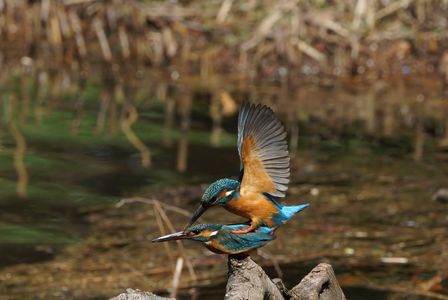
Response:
column 243, row 231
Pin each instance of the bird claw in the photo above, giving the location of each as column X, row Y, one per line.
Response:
column 243, row 231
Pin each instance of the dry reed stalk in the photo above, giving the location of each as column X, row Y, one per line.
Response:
column 124, row 41
column 78, row 110
column 359, row 14
column 76, row 25
column 392, row 8
column 102, row 39
column 155, row 47
column 25, row 96
column 20, row 150
column 55, row 31
column 170, row 110
column 169, row 42
column 184, row 106
column 64, row 23
column 224, row 11
column 263, row 30
column 42, row 95
column 165, row 206
column 130, row 116
column 163, row 231
column 102, row 113
column 215, row 113
column 176, row 277
column 45, row 10
column 179, row 243
column 310, row 51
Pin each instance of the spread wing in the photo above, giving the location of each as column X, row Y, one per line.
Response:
column 263, row 151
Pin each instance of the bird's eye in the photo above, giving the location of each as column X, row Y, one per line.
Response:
column 195, row 231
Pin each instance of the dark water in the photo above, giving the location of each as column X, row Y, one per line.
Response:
column 66, row 150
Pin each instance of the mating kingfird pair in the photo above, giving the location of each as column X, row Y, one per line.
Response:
column 263, row 181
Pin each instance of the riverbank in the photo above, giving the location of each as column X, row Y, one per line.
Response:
column 372, row 217
column 358, row 40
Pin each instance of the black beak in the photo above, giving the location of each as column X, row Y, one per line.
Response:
column 171, row 237
column 201, row 209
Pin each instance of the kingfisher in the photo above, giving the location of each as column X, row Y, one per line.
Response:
column 220, row 238
column 264, row 173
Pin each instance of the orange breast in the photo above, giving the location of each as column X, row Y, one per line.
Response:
column 215, row 247
column 253, row 206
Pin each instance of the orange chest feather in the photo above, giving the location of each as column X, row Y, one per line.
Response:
column 253, row 206
column 215, row 247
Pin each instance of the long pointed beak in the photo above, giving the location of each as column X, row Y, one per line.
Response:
column 201, row 209
column 171, row 237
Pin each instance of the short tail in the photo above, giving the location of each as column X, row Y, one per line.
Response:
column 287, row 212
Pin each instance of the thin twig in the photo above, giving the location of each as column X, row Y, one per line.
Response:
column 165, row 206
column 163, row 232
column 176, row 276
column 179, row 243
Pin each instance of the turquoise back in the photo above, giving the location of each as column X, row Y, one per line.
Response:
column 238, row 243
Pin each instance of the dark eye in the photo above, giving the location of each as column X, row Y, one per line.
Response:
column 195, row 231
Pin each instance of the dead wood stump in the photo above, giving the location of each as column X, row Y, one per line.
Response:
column 320, row 283
column 248, row 281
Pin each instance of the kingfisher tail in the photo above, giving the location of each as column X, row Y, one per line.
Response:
column 287, row 212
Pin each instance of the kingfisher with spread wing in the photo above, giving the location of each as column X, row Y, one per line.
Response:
column 264, row 173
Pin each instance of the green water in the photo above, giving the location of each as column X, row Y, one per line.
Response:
column 68, row 153
column 70, row 171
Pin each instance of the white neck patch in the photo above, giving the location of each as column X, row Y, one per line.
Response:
column 229, row 192
column 214, row 233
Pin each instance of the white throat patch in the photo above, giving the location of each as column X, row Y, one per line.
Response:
column 229, row 192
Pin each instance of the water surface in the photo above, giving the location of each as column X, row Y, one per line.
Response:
column 67, row 150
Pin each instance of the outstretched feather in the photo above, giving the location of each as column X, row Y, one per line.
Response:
column 263, row 151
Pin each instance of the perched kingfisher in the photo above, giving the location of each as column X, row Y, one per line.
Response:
column 264, row 173
column 220, row 238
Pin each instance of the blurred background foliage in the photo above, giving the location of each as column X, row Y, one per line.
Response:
column 114, row 115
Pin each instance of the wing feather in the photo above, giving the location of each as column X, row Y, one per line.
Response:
column 263, row 151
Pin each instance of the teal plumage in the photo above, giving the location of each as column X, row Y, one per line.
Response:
column 220, row 238
column 211, row 193
column 237, row 243
column 264, row 178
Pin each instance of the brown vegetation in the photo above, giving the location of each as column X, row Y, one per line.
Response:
column 337, row 38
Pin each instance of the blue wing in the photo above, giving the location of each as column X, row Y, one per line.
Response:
column 237, row 243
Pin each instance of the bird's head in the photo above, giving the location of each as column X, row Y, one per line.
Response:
column 200, row 232
column 218, row 193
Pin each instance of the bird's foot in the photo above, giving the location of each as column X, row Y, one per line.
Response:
column 243, row 231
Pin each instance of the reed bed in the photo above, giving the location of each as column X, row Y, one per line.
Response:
column 372, row 39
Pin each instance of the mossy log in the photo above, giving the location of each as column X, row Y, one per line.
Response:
column 248, row 281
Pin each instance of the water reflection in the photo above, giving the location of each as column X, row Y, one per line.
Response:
column 406, row 111
column 84, row 137
column 71, row 141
